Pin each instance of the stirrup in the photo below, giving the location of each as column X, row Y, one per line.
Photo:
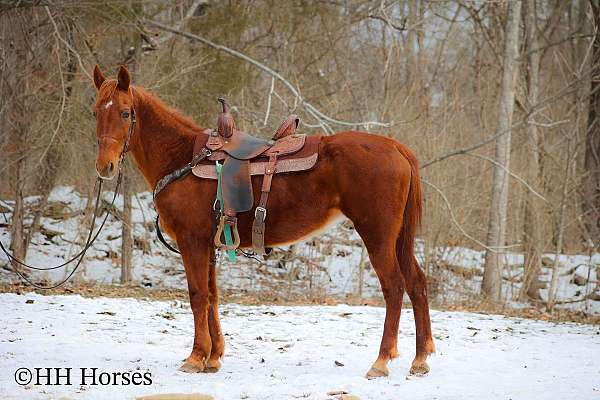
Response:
column 232, row 222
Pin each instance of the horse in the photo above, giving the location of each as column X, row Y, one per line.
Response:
column 372, row 180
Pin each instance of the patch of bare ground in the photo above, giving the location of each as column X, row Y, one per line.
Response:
column 274, row 298
column 530, row 312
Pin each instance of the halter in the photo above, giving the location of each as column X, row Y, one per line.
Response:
column 91, row 238
column 128, row 138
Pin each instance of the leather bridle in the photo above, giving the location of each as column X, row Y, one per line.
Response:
column 91, row 238
column 129, row 135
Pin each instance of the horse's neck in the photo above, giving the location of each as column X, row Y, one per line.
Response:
column 163, row 140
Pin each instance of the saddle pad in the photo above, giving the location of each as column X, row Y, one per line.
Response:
column 207, row 171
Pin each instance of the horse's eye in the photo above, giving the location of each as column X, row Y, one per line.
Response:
column 94, row 114
column 125, row 114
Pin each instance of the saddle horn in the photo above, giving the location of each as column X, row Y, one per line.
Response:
column 225, row 122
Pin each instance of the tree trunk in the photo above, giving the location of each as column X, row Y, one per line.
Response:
column 17, row 128
column 17, row 234
column 361, row 272
column 560, row 225
column 491, row 286
column 127, row 241
column 533, row 206
column 591, row 202
column 126, row 232
column 52, row 157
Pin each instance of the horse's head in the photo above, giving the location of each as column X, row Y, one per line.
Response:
column 114, row 119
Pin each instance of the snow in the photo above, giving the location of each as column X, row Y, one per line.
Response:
column 324, row 267
column 478, row 356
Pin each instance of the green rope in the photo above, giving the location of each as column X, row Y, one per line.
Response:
column 226, row 229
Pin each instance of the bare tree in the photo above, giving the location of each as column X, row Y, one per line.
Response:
column 494, row 262
column 533, row 206
column 591, row 204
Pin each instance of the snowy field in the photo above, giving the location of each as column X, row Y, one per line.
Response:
column 290, row 352
column 325, row 267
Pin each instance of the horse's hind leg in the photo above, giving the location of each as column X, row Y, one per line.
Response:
column 214, row 325
column 392, row 293
column 383, row 257
column 416, row 287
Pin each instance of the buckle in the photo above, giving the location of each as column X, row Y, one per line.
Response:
column 263, row 211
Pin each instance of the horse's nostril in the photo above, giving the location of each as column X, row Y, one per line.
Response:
column 111, row 167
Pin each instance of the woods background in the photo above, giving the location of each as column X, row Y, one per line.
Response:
column 498, row 99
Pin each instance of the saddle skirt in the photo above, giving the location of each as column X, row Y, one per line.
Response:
column 295, row 153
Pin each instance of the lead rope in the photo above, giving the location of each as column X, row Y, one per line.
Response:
column 79, row 256
column 91, row 238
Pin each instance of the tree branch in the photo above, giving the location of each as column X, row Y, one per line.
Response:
column 457, row 224
column 309, row 107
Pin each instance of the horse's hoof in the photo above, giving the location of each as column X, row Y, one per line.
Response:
column 419, row 368
column 377, row 372
column 213, row 366
column 192, row 367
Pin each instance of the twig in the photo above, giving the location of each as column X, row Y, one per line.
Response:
column 269, row 101
column 309, row 107
column 83, row 68
column 548, row 125
column 455, row 221
column 62, row 84
column 570, row 88
column 517, row 177
column 188, row 15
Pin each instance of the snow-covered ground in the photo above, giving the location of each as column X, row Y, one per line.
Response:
column 290, row 352
column 327, row 266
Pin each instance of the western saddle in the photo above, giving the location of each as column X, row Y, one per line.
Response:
column 233, row 157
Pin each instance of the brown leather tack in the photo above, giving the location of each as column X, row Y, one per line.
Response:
column 207, row 171
column 225, row 122
column 288, row 127
column 242, row 156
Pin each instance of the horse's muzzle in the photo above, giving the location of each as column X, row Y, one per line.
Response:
column 108, row 171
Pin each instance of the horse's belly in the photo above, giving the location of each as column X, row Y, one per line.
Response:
column 333, row 217
column 300, row 206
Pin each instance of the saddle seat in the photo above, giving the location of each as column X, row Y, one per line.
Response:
column 242, row 156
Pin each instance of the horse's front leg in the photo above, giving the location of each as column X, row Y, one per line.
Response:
column 196, row 256
column 214, row 325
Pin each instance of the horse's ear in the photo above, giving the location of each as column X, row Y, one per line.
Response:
column 98, row 77
column 124, row 78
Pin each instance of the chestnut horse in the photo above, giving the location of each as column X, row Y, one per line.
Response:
column 372, row 180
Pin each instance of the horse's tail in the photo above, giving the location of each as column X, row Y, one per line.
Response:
column 413, row 209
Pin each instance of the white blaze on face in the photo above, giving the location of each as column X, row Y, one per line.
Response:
column 107, row 105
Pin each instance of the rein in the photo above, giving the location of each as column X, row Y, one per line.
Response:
column 90, row 238
column 173, row 176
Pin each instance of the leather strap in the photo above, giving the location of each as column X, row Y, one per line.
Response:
column 162, row 238
column 180, row 173
column 260, row 214
column 165, row 180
